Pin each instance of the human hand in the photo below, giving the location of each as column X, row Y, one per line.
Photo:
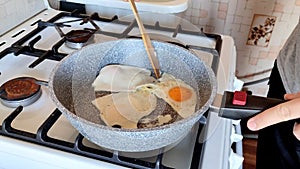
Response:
column 282, row 112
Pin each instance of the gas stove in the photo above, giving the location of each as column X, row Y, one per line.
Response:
column 39, row 135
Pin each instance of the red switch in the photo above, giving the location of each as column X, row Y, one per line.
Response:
column 239, row 98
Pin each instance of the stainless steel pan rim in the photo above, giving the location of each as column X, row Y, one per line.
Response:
column 185, row 124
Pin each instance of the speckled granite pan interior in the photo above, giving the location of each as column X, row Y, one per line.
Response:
column 71, row 90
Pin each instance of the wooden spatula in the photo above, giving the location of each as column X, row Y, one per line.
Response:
column 147, row 42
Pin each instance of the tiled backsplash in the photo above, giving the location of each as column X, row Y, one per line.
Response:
column 234, row 18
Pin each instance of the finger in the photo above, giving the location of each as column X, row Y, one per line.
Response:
column 292, row 96
column 282, row 112
column 296, row 130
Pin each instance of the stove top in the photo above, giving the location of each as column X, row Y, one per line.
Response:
column 34, row 48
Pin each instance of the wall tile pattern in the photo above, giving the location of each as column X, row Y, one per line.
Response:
column 234, row 18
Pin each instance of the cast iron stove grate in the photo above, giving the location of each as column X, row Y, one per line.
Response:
column 54, row 54
column 42, row 138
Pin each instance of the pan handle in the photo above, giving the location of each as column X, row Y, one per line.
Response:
column 239, row 105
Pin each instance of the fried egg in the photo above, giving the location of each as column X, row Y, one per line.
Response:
column 125, row 109
column 119, row 78
column 179, row 95
column 134, row 101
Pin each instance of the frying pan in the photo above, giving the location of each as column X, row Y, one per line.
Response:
column 71, row 89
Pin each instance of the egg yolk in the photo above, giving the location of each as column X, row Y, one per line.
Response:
column 180, row 93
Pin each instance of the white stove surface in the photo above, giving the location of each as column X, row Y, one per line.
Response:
column 34, row 115
column 19, row 154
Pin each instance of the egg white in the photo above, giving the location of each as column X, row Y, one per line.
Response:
column 121, row 78
column 125, row 109
column 161, row 89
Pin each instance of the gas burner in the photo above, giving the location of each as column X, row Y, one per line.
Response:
column 76, row 39
column 21, row 91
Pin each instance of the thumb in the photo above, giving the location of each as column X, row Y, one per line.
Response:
column 296, row 130
column 291, row 96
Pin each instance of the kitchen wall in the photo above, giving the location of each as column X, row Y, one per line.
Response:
column 235, row 17
column 14, row 12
